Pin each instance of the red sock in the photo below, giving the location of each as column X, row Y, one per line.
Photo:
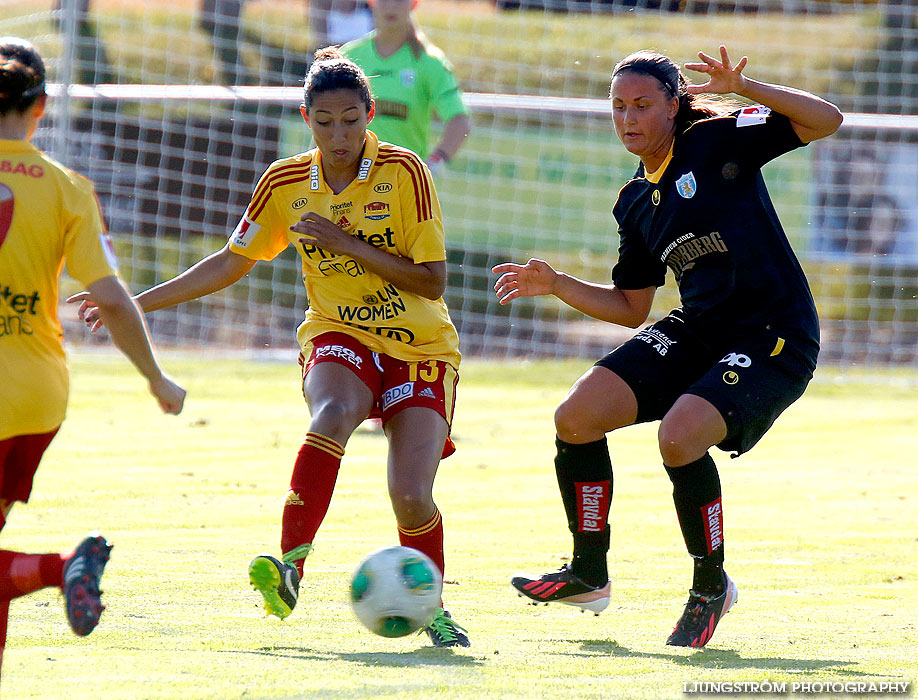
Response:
column 311, row 488
column 427, row 538
column 4, row 614
column 23, row 573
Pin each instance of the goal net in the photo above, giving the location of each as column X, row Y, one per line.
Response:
column 175, row 107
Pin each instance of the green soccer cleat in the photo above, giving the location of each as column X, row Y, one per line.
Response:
column 446, row 632
column 278, row 583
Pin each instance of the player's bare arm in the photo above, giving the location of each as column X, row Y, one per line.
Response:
column 811, row 117
column 455, row 132
column 129, row 333
column 625, row 307
column 427, row 279
column 213, row 273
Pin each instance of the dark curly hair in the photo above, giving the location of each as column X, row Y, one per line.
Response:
column 332, row 71
column 22, row 75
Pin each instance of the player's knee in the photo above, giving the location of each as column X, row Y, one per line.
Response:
column 678, row 444
column 410, row 503
column 334, row 418
column 568, row 421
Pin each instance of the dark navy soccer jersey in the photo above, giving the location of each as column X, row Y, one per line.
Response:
column 709, row 218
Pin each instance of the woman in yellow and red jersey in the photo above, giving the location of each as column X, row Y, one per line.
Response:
column 377, row 338
column 48, row 216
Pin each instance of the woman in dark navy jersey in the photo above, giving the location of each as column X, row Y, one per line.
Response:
column 716, row 371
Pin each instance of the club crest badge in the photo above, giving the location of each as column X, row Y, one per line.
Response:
column 407, row 77
column 686, row 185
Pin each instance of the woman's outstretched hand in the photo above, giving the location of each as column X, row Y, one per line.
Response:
column 535, row 278
column 723, row 76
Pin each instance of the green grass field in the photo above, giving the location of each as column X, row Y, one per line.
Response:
column 821, row 525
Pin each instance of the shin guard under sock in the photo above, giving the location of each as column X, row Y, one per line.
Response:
column 311, row 487
column 697, row 497
column 585, row 480
column 427, row 538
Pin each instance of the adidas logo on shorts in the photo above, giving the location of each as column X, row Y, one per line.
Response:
column 427, row 392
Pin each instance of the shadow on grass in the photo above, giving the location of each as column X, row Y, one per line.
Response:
column 427, row 656
column 722, row 658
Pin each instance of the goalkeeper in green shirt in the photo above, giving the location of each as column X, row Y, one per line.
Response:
column 412, row 81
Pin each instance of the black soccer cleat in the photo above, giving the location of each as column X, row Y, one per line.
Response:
column 443, row 631
column 562, row 586
column 701, row 615
column 82, row 572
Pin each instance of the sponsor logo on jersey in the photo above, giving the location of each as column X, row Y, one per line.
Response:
column 343, row 222
column 372, row 313
column 397, row 393
column 681, row 254
column 20, row 168
column 341, row 207
column 300, row 203
column 592, row 505
column 735, row 359
column 338, row 265
column 391, row 108
column 314, row 177
column 750, row 116
column 22, row 306
column 401, row 335
column 376, row 211
column 108, row 249
column 730, row 171
column 19, row 303
column 655, row 197
column 383, row 187
column 385, row 294
column 713, row 525
column 341, row 351
column 427, row 393
column 686, row 185
column 731, row 378
column 245, row 231
column 365, row 166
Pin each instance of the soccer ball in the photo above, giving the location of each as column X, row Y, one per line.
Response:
column 396, row 591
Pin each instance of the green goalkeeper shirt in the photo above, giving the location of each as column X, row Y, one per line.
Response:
column 409, row 91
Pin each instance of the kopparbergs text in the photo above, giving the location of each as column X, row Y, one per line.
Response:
column 766, row 687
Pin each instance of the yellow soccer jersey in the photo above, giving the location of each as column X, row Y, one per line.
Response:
column 392, row 205
column 48, row 215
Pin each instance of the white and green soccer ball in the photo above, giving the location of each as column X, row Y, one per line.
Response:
column 396, row 591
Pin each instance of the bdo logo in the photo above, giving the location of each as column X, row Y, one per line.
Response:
column 397, row 393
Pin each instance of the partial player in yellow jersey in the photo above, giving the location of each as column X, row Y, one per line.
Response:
column 48, row 216
column 412, row 82
column 377, row 338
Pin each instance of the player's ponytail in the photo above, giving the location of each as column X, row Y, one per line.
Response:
column 692, row 108
column 22, row 75
column 332, row 71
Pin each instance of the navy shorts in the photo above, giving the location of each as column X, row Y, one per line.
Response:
column 750, row 379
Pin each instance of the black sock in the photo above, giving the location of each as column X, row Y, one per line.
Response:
column 585, row 480
column 697, row 496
